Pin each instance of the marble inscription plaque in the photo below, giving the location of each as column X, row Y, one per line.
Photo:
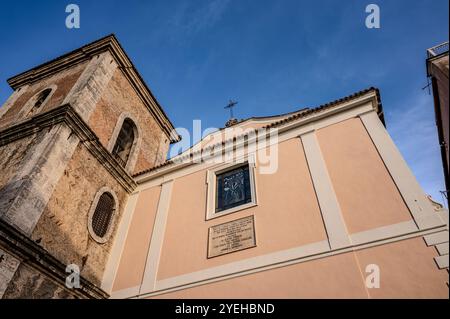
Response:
column 231, row 237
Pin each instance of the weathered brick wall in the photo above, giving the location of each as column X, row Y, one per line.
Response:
column 63, row 226
column 120, row 97
column 12, row 157
column 28, row 283
column 25, row 195
column 62, row 177
column 9, row 263
column 63, row 80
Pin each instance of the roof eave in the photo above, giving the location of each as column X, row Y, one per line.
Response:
column 370, row 94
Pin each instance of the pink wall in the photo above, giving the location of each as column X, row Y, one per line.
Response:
column 132, row 263
column 332, row 277
column 287, row 216
column 402, row 275
column 366, row 192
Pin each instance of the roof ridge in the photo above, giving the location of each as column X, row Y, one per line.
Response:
column 307, row 112
column 111, row 35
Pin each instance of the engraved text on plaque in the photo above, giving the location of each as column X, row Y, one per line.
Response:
column 232, row 236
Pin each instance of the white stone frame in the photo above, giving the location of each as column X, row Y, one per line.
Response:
column 415, row 199
column 338, row 236
column 104, row 239
column 30, row 103
column 156, row 243
column 211, row 187
column 118, row 245
column 132, row 159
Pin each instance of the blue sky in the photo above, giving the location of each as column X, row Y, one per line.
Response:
column 271, row 56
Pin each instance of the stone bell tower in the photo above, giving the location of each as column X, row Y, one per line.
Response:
column 72, row 135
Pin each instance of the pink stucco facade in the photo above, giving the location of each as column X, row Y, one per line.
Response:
column 163, row 253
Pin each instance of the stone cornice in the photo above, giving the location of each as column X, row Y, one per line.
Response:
column 66, row 114
column 33, row 254
column 111, row 44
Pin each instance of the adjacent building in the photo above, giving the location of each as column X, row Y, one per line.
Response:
column 317, row 203
column 437, row 71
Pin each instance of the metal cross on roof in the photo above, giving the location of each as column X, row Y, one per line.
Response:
column 230, row 106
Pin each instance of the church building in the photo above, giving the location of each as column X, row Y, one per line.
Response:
column 316, row 203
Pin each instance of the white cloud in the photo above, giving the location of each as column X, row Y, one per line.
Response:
column 191, row 18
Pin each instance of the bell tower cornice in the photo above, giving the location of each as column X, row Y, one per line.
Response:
column 87, row 52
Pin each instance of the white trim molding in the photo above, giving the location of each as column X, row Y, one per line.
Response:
column 111, row 226
column 436, row 238
column 157, row 239
column 246, row 264
column 384, row 232
column 119, row 243
column 211, row 181
column 274, row 260
column 418, row 204
column 326, row 196
column 442, row 261
column 442, row 248
column 440, row 242
column 127, row 293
